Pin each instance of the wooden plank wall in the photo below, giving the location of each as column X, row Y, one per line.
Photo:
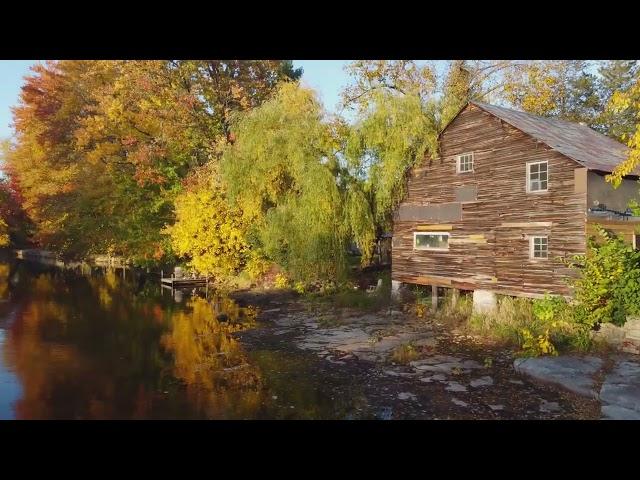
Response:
column 489, row 247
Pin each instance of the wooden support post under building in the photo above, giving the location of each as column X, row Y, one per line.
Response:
column 434, row 298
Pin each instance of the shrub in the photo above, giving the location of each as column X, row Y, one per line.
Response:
column 299, row 287
column 256, row 266
column 608, row 287
column 420, row 309
column 534, row 346
column 548, row 308
column 281, row 281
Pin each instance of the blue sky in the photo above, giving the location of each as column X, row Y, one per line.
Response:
column 11, row 73
column 327, row 77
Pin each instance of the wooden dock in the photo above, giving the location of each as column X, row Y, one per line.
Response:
column 183, row 282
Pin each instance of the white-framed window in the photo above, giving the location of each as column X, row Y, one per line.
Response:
column 539, row 247
column 464, row 163
column 537, row 176
column 431, row 240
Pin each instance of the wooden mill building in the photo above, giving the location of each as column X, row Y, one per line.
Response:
column 508, row 197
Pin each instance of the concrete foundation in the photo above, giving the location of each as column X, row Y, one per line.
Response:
column 484, row 301
column 396, row 286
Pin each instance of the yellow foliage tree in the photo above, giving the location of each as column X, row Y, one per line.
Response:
column 622, row 102
column 4, row 235
column 208, row 230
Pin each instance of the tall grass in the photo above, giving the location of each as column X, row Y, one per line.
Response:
column 505, row 323
column 537, row 326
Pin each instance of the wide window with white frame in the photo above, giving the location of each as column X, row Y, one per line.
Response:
column 537, row 176
column 464, row 163
column 539, row 247
column 431, row 240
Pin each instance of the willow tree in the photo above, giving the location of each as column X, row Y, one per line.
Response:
column 401, row 107
column 285, row 173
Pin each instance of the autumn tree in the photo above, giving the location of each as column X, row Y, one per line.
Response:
column 627, row 102
column 17, row 226
column 103, row 146
column 554, row 88
column 300, row 204
column 208, row 231
column 4, row 233
column 617, row 76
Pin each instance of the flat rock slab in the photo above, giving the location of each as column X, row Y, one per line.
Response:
column 614, row 412
column 485, row 381
column 550, row 407
column 438, row 377
column 455, row 387
column 434, row 359
column 407, row 396
column 444, row 364
column 573, row 373
column 620, row 393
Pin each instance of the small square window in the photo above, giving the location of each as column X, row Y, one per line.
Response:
column 537, row 176
column 539, row 247
column 464, row 163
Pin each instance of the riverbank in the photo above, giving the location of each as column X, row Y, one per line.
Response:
column 409, row 367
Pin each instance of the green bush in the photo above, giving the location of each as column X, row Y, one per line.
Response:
column 540, row 327
column 299, row 287
column 608, row 287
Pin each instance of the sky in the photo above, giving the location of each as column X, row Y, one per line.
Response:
column 11, row 73
column 327, row 77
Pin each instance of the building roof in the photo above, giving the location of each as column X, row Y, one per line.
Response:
column 578, row 142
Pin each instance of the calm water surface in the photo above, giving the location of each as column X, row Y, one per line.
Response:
column 102, row 346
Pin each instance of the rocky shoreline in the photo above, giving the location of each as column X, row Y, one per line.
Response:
column 453, row 376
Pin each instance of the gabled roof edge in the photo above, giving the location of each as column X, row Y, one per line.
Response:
column 471, row 102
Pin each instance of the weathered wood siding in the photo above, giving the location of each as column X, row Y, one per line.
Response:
column 489, row 245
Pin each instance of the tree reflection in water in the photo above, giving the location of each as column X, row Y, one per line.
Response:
column 218, row 376
column 100, row 346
